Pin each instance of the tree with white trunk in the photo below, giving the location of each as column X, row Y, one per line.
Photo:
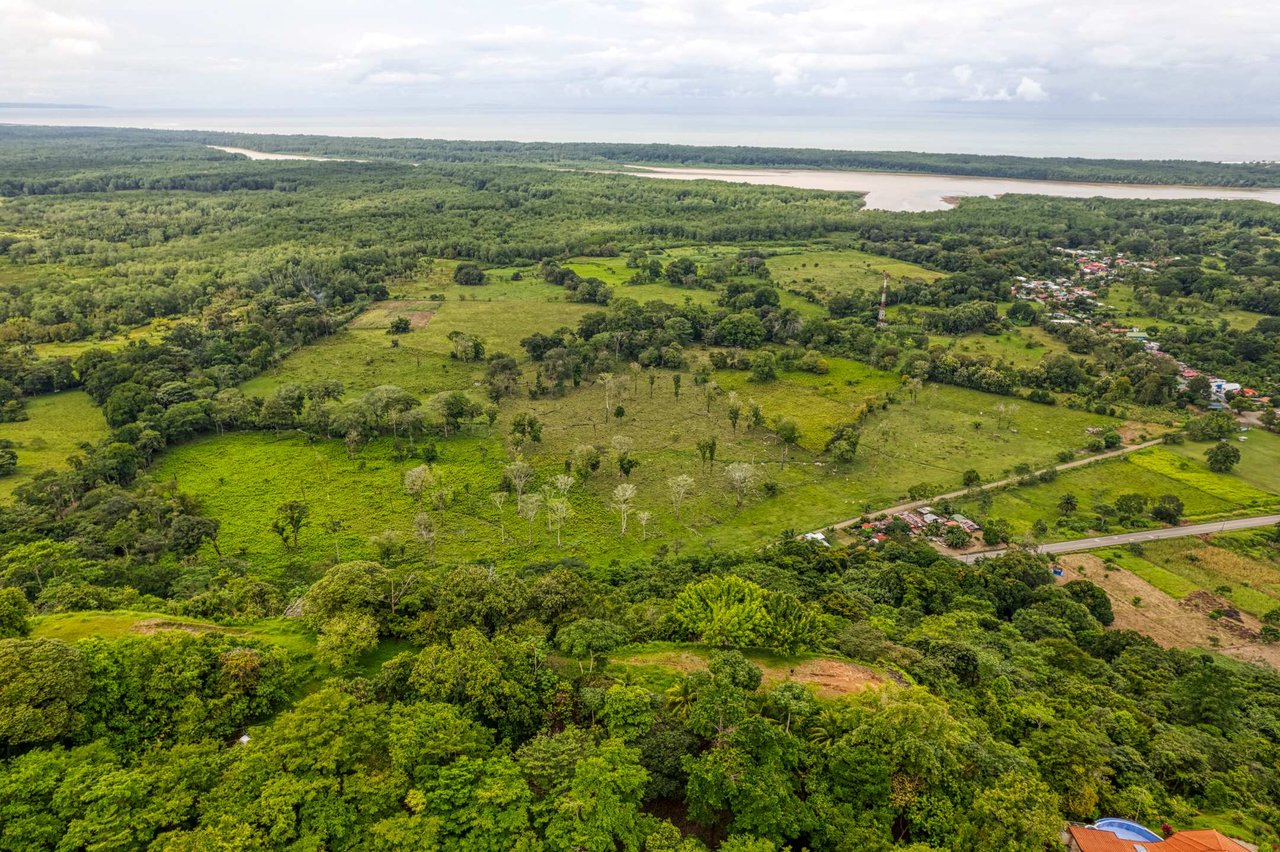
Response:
column 518, row 474
column 417, row 480
column 644, row 518
column 527, row 507
column 622, row 497
column 740, row 476
column 558, row 511
column 563, row 482
column 424, row 530
column 499, row 500
column 679, row 487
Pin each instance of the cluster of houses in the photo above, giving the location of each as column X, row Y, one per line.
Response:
column 922, row 522
column 1068, row 301
column 1073, row 300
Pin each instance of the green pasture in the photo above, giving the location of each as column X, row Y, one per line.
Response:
column 243, row 478
column 1259, row 458
column 1154, row 472
column 1021, row 348
column 290, row 634
column 819, row 403
column 841, row 270
column 55, row 427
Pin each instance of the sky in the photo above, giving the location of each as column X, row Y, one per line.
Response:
column 1172, row 60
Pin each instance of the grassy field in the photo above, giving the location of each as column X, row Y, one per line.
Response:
column 1022, row 348
column 1168, row 469
column 242, row 478
column 56, row 426
column 73, row 349
column 73, row 626
column 290, row 634
column 841, row 270
column 1121, row 297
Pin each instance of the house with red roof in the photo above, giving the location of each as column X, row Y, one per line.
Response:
column 1083, row 838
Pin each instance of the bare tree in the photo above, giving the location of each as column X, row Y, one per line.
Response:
column 417, row 480
column 424, row 530
column 644, row 518
column 622, row 497
column 622, row 445
column 607, row 380
column 527, row 507
column 563, row 482
column 1005, row 414
column 558, row 511
column 499, row 500
column 679, row 487
column 740, row 476
column 519, row 473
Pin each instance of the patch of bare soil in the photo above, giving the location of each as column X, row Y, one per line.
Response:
column 829, row 678
column 151, row 626
column 1170, row 622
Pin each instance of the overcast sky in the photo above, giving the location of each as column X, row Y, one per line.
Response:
column 1179, row 60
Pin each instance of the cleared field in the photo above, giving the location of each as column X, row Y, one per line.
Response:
column 1023, row 347
column 56, row 426
column 1181, row 566
column 1173, row 611
column 1259, row 458
column 73, row 626
column 1166, row 469
column 841, row 270
column 819, row 403
column 243, row 478
column 661, row 664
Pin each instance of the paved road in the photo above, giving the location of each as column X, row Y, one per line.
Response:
column 916, row 504
column 1146, row 535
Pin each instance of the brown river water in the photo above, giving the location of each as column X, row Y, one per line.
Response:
column 912, row 192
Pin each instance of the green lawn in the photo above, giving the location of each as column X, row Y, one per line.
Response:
column 56, row 426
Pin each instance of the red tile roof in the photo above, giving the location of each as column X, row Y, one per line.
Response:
column 1205, row 840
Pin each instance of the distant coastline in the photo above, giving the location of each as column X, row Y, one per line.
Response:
column 27, row 105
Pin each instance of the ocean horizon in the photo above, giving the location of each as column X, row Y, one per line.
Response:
column 932, row 133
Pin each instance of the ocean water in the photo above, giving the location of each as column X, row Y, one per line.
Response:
column 935, row 133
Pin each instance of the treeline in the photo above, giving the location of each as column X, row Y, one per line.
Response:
column 996, row 706
column 1034, row 168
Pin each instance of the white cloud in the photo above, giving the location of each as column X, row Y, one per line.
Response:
column 1030, row 90
column 675, row 55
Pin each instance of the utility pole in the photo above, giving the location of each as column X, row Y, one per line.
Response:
column 881, row 322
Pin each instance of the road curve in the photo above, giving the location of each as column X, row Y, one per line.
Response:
column 1079, row 544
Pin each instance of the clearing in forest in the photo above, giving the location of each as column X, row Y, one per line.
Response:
column 1171, row 621
column 56, row 425
column 829, row 677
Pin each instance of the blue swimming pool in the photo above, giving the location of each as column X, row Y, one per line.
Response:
column 1126, row 830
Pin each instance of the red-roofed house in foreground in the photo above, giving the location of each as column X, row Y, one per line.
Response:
column 1087, row 839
